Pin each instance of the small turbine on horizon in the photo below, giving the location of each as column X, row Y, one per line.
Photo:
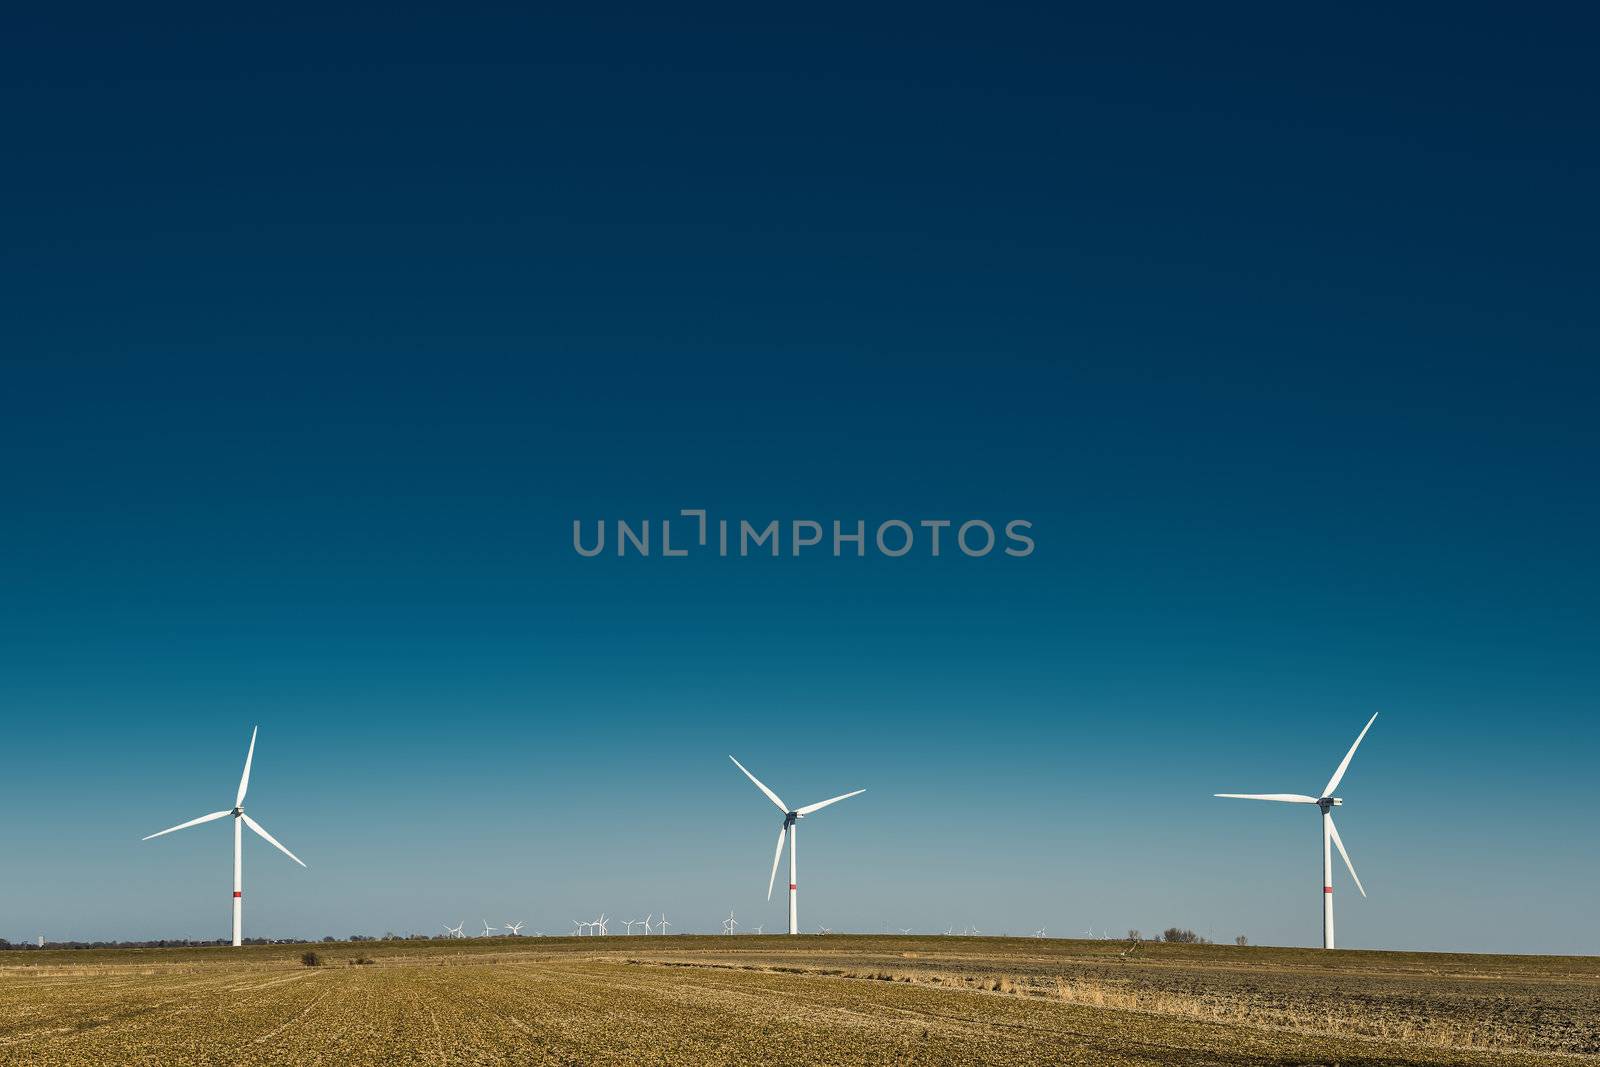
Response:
column 240, row 819
column 790, row 826
column 1326, row 801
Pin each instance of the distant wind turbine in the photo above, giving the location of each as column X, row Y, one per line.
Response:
column 240, row 819
column 790, row 827
column 488, row 931
column 1326, row 802
column 515, row 928
column 454, row 931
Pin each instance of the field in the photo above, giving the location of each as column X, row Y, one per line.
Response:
column 774, row 1000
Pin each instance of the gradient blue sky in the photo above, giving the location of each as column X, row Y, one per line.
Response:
column 320, row 332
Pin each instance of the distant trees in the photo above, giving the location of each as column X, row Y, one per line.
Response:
column 1241, row 941
column 1181, row 937
column 1133, row 935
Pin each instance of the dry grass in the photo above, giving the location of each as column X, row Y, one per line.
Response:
column 771, row 1000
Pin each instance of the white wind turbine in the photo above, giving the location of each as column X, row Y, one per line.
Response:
column 454, row 931
column 631, row 923
column 240, row 819
column 790, row 827
column 488, row 931
column 663, row 924
column 1326, row 801
column 515, row 928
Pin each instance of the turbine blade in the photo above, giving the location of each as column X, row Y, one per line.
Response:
column 777, row 855
column 273, row 841
column 770, row 794
column 1334, row 832
column 244, row 779
column 192, row 822
column 1286, row 798
column 809, row 808
column 1333, row 783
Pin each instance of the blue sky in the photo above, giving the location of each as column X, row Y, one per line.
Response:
column 321, row 334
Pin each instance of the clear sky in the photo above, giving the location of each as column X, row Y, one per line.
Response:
column 321, row 330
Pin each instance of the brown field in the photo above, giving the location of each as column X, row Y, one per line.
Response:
column 810, row 1000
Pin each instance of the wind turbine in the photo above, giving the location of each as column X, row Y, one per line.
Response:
column 515, row 928
column 663, row 924
column 790, row 827
column 729, row 923
column 240, row 819
column 1325, row 801
column 488, row 931
column 454, row 931
column 630, row 924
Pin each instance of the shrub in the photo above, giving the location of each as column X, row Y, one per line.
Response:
column 311, row 959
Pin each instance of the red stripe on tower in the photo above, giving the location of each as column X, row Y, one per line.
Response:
column 237, row 893
column 793, row 886
column 1327, row 889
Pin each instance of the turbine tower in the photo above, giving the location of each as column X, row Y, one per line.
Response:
column 790, row 825
column 240, row 820
column 1325, row 801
